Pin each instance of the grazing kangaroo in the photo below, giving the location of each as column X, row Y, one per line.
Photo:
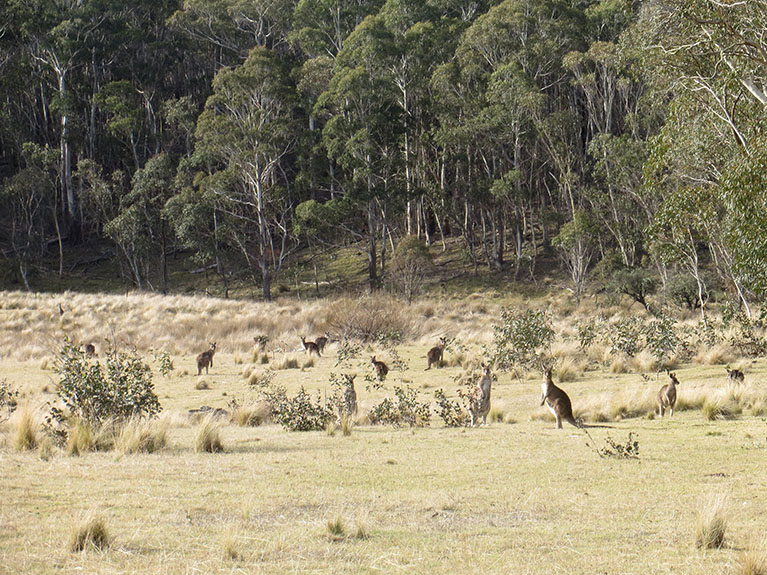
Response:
column 667, row 395
column 322, row 341
column 381, row 368
column 310, row 347
column 557, row 401
column 90, row 350
column 205, row 359
column 348, row 406
column 479, row 405
column 434, row 355
column 735, row 375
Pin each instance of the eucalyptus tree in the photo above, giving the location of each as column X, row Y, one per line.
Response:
column 244, row 135
column 360, row 132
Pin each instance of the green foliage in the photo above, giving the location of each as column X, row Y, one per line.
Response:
column 297, row 413
column 625, row 336
column 683, row 290
column 404, row 408
column 618, row 450
column 637, row 283
column 164, row 362
column 521, row 338
column 450, row 411
column 8, row 399
column 661, row 337
column 119, row 388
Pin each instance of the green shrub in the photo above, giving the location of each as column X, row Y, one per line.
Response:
column 521, row 338
column 450, row 411
column 297, row 413
column 118, row 389
column 404, row 408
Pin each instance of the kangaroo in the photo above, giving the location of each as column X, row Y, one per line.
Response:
column 557, row 401
column 348, row 405
column 90, row 350
column 310, row 347
column 322, row 341
column 667, row 395
column 381, row 368
column 479, row 405
column 205, row 359
column 434, row 355
column 735, row 375
column 260, row 341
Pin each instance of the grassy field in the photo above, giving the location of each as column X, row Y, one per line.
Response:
column 516, row 495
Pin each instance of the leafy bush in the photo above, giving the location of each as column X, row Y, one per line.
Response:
column 93, row 392
column 625, row 336
column 522, row 338
column 637, row 283
column 164, row 362
column 628, row 450
column 298, row 413
column 661, row 337
column 683, row 290
column 588, row 332
column 450, row 411
column 9, row 398
column 746, row 339
column 405, row 408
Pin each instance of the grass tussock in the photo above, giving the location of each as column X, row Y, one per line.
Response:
column 496, row 415
column 721, row 354
column 644, row 362
column 286, row 362
column 142, row 436
column 232, row 549
column 711, row 523
column 89, row 534
column 46, row 449
column 714, row 409
column 25, row 430
column 619, row 365
column 308, row 363
column 252, row 414
column 569, row 370
column 365, row 319
column 83, row 437
column 347, row 425
column 208, row 438
column 335, row 528
column 202, row 385
column 753, row 559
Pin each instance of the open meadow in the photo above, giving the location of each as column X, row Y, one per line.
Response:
column 515, row 496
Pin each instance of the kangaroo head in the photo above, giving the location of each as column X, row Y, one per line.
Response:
column 349, row 379
column 372, row 359
column 213, row 346
column 672, row 378
column 443, row 341
column 547, row 373
column 486, row 370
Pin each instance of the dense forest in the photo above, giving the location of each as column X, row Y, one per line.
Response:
column 626, row 136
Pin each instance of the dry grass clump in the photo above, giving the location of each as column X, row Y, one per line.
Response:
column 286, row 362
column 247, row 371
column 25, row 430
column 252, row 414
column 619, row 365
column 90, row 533
column 753, row 559
column 711, row 524
column 714, row 409
column 83, row 437
column 45, row 449
column 644, row 362
column 569, row 370
column 308, row 363
column 335, row 529
column 347, row 425
column 208, row 439
column 202, row 385
column 231, row 548
column 142, row 436
column 721, row 354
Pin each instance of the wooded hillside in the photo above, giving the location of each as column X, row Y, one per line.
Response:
column 627, row 136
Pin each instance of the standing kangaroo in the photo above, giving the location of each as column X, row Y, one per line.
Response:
column 381, row 368
column 557, row 401
column 310, row 347
column 348, row 405
column 667, row 395
column 205, row 359
column 434, row 355
column 322, row 341
column 479, row 404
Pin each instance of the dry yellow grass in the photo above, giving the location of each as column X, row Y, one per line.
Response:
column 432, row 500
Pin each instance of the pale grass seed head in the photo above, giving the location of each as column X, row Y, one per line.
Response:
column 336, row 530
column 138, row 435
column 753, row 559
